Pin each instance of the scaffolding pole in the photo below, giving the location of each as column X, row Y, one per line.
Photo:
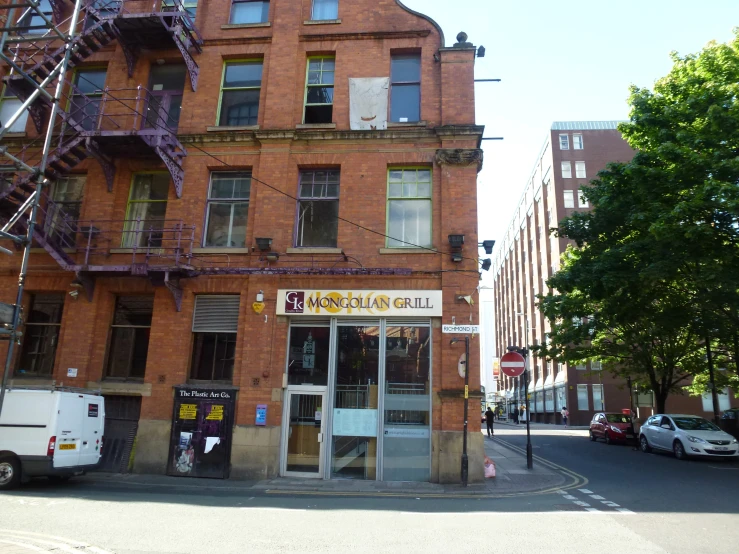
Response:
column 40, row 169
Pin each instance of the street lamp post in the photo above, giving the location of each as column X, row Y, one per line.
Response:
column 526, row 354
column 465, row 471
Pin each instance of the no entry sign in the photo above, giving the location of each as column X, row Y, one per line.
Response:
column 512, row 364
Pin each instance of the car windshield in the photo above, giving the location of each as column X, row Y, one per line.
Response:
column 694, row 424
column 617, row 418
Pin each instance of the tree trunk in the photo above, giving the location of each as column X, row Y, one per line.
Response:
column 660, row 400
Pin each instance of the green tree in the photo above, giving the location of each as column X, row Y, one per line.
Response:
column 656, row 262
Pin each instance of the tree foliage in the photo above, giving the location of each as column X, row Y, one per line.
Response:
column 654, row 269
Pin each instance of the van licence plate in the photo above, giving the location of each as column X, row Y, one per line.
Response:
column 67, row 446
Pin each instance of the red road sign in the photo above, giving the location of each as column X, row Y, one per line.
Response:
column 512, row 364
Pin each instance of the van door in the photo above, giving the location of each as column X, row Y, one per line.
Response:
column 93, row 424
column 69, row 430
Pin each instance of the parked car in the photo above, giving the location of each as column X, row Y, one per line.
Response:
column 732, row 413
column 686, row 435
column 611, row 427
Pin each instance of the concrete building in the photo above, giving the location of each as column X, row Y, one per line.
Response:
column 572, row 155
column 246, row 244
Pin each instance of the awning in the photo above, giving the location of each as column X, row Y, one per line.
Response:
column 532, row 384
column 539, row 384
column 549, row 381
column 560, row 380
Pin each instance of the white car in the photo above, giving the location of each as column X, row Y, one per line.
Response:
column 686, row 435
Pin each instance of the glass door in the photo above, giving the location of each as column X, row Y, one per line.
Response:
column 304, row 434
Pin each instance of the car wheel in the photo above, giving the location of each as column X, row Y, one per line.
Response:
column 679, row 450
column 10, row 472
column 593, row 437
column 644, row 445
column 607, row 438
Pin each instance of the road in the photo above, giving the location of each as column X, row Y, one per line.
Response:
column 632, row 502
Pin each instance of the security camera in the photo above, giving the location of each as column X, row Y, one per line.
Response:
column 74, row 293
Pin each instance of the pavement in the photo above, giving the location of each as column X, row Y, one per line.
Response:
column 512, row 478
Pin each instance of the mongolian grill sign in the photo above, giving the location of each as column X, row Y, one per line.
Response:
column 362, row 303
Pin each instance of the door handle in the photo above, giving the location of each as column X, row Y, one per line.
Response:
column 320, row 437
column 84, row 443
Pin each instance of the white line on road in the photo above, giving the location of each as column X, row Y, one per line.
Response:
column 596, row 497
column 569, row 497
column 585, row 491
column 581, row 503
column 593, row 510
column 610, row 504
column 625, row 511
column 23, row 545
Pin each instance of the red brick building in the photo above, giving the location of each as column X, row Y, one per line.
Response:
column 248, row 252
column 572, row 156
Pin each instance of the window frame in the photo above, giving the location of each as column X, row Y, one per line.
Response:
column 51, row 223
column 113, row 325
column 581, row 387
column 313, row 12
column 430, row 199
column 416, row 55
column 568, row 196
column 564, row 144
column 577, row 137
column 231, row 12
column 75, row 82
column 35, row 19
column 218, row 335
column 226, row 63
column 301, row 198
column 566, row 170
column 7, row 96
column 232, row 202
column 129, row 202
column 308, row 86
column 578, row 174
column 602, row 400
column 27, row 334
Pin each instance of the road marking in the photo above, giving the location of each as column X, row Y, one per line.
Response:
column 561, row 492
column 581, row 503
column 593, row 510
column 36, row 542
column 569, row 497
column 24, row 545
column 625, row 511
column 610, row 504
column 585, row 491
column 596, row 497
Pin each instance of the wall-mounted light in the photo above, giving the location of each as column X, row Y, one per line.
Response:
column 272, row 256
column 264, row 243
column 480, row 51
column 487, row 245
column 486, row 263
column 456, row 257
column 260, row 296
column 456, row 241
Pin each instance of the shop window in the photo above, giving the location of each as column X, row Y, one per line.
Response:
column 87, row 93
column 409, row 208
column 539, row 401
column 407, row 402
column 129, row 337
column 147, row 206
column 242, row 82
column 405, row 89
column 319, row 90
column 308, row 356
column 318, row 209
column 249, row 11
column 582, row 398
column 549, row 400
column 215, row 325
column 560, row 398
column 228, row 209
column 9, row 104
column 41, row 335
column 31, row 19
column 598, row 398
column 63, row 213
column 325, row 10
column 564, row 142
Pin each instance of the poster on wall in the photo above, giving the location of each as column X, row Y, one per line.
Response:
column 202, row 425
column 354, row 423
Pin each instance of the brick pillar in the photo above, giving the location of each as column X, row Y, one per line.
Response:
column 458, row 83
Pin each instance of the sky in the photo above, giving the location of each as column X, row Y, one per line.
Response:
column 566, row 60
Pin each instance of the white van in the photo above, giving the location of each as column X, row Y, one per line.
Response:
column 49, row 433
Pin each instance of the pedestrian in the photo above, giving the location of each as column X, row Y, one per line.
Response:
column 489, row 418
column 515, row 416
column 565, row 414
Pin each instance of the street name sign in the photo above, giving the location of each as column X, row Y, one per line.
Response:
column 512, row 364
column 461, row 329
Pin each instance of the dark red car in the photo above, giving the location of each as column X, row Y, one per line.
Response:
column 611, row 427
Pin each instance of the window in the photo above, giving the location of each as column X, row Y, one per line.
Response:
column 228, row 209
column 190, row 6
column 325, row 10
column 580, row 170
column 147, row 206
column 577, row 141
column 249, row 11
column 598, row 397
column 560, row 398
column 214, row 325
column 129, row 337
column 33, row 19
column 9, row 104
column 63, row 214
column 566, row 170
column 409, row 208
column 318, row 209
column 596, row 365
column 86, row 97
column 405, row 89
column 319, row 91
column 308, row 356
column 41, row 335
column 569, row 199
column 724, row 402
column 581, row 367
column 582, row 202
column 582, row 397
column 549, row 400
column 242, row 82
column 564, row 142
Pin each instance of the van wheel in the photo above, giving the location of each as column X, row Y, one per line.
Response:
column 10, row 472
